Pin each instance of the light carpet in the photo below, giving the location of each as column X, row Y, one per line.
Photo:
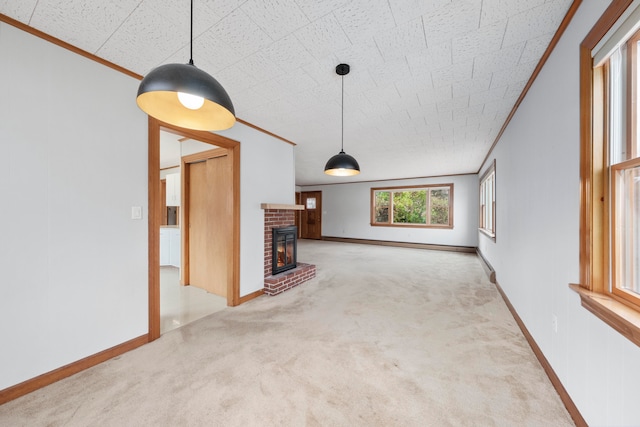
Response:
column 381, row 337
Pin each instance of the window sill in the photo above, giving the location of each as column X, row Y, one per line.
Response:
column 487, row 233
column 619, row 316
column 409, row 225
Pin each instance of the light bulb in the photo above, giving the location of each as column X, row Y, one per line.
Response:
column 192, row 102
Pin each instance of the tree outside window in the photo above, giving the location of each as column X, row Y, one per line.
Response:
column 418, row 206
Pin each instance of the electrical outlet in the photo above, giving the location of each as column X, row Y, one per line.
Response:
column 554, row 323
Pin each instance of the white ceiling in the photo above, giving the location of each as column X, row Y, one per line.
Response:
column 431, row 82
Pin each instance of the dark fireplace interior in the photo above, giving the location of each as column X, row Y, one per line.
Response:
column 285, row 247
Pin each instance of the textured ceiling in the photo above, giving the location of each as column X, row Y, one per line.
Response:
column 431, row 82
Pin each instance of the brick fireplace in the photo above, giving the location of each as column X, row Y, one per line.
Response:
column 278, row 216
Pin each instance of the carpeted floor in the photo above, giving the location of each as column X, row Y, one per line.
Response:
column 382, row 337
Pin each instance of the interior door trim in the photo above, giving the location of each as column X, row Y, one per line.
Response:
column 233, row 151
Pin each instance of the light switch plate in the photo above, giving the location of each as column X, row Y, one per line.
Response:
column 136, row 212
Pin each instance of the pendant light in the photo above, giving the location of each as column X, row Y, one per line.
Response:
column 185, row 96
column 342, row 164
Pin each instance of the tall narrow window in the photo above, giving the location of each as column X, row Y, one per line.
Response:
column 610, row 169
column 488, row 201
column 621, row 89
column 416, row 206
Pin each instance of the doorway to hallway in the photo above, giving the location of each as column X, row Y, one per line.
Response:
column 158, row 277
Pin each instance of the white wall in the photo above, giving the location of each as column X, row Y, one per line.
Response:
column 346, row 212
column 537, row 248
column 266, row 176
column 165, row 172
column 73, row 149
column 73, row 145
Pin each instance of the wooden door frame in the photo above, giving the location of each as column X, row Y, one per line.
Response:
column 298, row 214
column 233, row 151
column 163, row 203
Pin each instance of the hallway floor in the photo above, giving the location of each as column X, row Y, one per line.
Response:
column 180, row 305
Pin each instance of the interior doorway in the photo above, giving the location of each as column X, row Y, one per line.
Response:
column 311, row 218
column 180, row 304
column 231, row 150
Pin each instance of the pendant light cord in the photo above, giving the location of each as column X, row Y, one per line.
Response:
column 342, row 124
column 191, row 37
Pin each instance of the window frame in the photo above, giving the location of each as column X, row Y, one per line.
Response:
column 595, row 189
column 616, row 261
column 489, row 231
column 632, row 83
column 427, row 187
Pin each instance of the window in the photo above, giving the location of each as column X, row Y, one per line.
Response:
column 610, row 170
column 488, row 201
column 416, row 206
column 621, row 135
column 311, row 202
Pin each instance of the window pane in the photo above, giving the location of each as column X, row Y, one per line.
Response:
column 487, row 204
column 490, row 200
column 311, row 203
column 628, row 231
column 636, row 79
column 483, row 204
column 410, row 207
column 382, row 206
column 440, row 206
column 617, row 78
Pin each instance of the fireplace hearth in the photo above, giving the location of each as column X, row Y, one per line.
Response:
column 285, row 248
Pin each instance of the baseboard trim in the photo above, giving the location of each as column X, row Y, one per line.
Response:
column 51, row 377
column 250, row 296
column 557, row 384
column 487, row 267
column 467, row 249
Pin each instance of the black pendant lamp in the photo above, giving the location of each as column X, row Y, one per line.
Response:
column 342, row 164
column 185, row 96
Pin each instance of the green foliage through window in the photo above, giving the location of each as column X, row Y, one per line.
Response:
column 418, row 206
column 440, row 206
column 382, row 206
column 410, row 207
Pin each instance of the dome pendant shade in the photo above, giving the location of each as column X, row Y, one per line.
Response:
column 342, row 164
column 158, row 97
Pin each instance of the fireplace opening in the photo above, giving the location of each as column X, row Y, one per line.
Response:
column 285, row 247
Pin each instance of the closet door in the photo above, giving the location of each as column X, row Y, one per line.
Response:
column 209, row 222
